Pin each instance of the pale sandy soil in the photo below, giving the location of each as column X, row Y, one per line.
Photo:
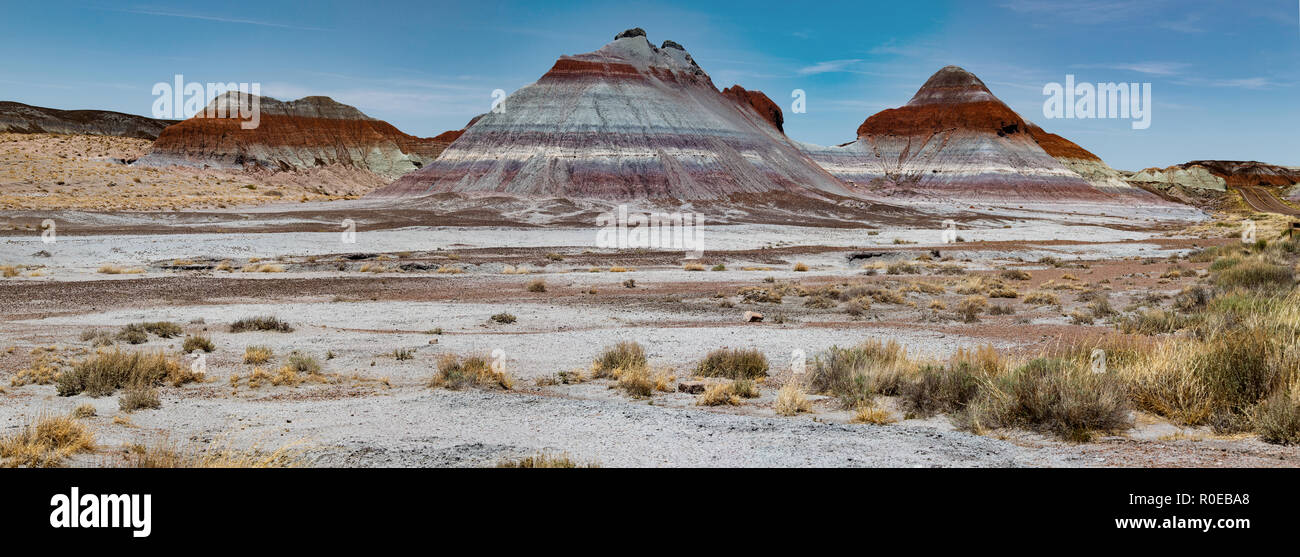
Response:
column 47, row 171
column 375, row 410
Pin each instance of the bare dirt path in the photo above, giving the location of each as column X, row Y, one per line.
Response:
column 1263, row 200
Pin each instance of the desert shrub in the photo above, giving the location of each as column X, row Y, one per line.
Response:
column 745, row 388
column 1154, row 322
column 197, row 342
column 621, row 356
column 1192, row 298
column 756, row 295
column 457, row 373
column 903, row 268
column 940, row 389
column 871, row 414
column 1255, row 274
column 971, row 307
column 854, row 375
column 635, row 381
column 1015, row 274
column 1003, row 292
column 790, row 400
column 733, row 363
column 133, row 334
column 46, row 442
column 545, row 460
column 302, row 363
column 257, row 354
column 139, row 397
column 719, row 267
column 800, row 267
column 819, row 302
column 718, row 394
column 172, row 455
column 104, row 373
column 504, row 318
column 1040, row 298
column 83, row 411
column 1080, row 317
column 403, row 354
column 162, row 329
column 261, row 323
column 1001, row 309
column 1051, row 395
column 1277, row 419
column 538, row 285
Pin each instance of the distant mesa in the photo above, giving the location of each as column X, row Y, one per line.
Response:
column 311, row 132
column 628, row 121
column 956, row 140
column 21, row 118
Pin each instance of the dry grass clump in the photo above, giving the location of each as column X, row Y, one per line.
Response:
column 800, row 267
column 139, row 397
column 545, row 460
column 791, row 400
column 978, row 284
column 503, row 318
column 538, row 285
column 693, row 267
column 449, row 270
column 171, row 455
column 455, row 373
column 197, row 342
column 733, row 363
column 83, row 411
column 1015, row 274
column 854, row 375
column 161, row 329
column 1277, row 419
column 718, row 394
column 263, row 268
column 971, row 307
column 872, row 414
column 46, row 442
column 257, row 354
column 1051, row 395
column 10, row 271
column 105, row 372
column 756, row 295
column 1040, row 298
column 116, row 270
column 513, row 270
column 302, row 363
column 1154, row 322
column 261, row 323
column 1003, row 292
column 624, row 355
column 1255, row 273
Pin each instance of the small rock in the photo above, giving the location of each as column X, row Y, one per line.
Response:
column 433, row 341
column 753, row 317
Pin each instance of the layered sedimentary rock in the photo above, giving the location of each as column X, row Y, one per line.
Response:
column 312, row 132
column 22, row 118
column 1193, row 177
column 1250, row 173
column 628, row 121
column 955, row 140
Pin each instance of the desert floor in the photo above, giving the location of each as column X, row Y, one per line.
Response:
column 432, row 290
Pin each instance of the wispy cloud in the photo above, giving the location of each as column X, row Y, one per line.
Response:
column 828, row 67
column 1186, row 24
column 1232, row 83
column 1079, row 11
column 1149, row 68
column 204, row 17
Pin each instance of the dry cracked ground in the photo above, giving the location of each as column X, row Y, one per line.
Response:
column 349, row 380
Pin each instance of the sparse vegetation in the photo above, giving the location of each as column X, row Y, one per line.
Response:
column 624, row 355
column 733, row 363
column 105, row 372
column 46, row 442
column 791, row 400
column 139, row 397
column 261, row 323
column 455, row 373
column 257, row 354
column 538, row 285
column 503, row 318
column 197, row 342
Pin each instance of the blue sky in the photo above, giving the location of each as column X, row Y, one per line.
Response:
column 1225, row 75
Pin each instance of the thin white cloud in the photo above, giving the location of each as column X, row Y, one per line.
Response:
column 1150, row 68
column 219, row 19
column 828, row 66
column 1079, row 11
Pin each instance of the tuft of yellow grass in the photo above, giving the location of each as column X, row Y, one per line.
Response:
column 171, row 455
column 801, row 267
column 257, row 354
column 791, row 400
column 46, row 442
column 116, row 270
column 871, row 414
column 545, row 460
column 693, row 267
